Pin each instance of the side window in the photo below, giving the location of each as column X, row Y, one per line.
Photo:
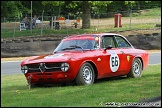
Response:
column 121, row 42
column 107, row 41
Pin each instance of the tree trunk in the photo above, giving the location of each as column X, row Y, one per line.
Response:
column 86, row 16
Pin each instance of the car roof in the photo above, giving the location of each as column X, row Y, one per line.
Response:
column 91, row 34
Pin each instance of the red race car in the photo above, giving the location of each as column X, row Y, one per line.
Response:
column 84, row 58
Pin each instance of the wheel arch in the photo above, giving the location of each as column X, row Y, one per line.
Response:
column 94, row 67
column 140, row 59
column 80, row 81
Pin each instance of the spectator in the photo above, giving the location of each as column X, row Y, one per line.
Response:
column 34, row 21
column 26, row 21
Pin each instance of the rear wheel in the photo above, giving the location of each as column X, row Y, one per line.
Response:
column 85, row 75
column 136, row 70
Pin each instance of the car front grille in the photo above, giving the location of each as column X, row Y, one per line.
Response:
column 49, row 67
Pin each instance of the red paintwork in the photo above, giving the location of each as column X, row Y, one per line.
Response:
column 99, row 58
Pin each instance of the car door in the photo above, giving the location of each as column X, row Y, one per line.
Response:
column 112, row 56
column 125, row 48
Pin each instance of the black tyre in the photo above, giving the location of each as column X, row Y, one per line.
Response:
column 136, row 70
column 85, row 75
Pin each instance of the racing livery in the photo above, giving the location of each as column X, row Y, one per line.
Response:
column 84, row 58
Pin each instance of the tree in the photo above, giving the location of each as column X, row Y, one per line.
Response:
column 17, row 9
column 53, row 7
column 86, row 11
column 11, row 9
column 86, row 15
column 72, row 9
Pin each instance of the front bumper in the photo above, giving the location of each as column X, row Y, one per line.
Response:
column 49, row 77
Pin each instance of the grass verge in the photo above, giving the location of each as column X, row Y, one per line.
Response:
column 15, row 92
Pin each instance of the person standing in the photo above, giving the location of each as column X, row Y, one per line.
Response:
column 34, row 21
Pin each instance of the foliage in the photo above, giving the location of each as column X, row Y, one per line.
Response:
column 10, row 9
column 72, row 8
column 18, row 9
column 26, row 8
column 53, row 7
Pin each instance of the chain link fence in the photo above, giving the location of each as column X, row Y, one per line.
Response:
column 111, row 21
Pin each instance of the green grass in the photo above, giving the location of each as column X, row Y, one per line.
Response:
column 150, row 12
column 37, row 32
column 49, row 32
column 15, row 92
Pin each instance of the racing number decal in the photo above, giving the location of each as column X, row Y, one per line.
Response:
column 114, row 62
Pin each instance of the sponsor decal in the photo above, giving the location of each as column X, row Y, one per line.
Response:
column 53, row 56
column 128, row 58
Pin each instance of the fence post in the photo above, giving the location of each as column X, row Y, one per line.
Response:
column 42, row 23
column 31, row 19
column 14, row 28
column 4, row 23
column 118, row 19
column 55, row 21
column 130, row 13
column 52, row 23
column 98, row 20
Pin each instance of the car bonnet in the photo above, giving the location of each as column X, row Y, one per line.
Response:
column 56, row 57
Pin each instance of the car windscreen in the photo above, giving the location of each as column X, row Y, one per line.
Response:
column 78, row 44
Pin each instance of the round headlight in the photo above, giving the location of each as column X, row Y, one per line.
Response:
column 24, row 69
column 64, row 67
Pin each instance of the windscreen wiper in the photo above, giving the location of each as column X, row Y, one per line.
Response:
column 72, row 47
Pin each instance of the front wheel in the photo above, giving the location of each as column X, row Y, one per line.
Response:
column 85, row 75
column 136, row 70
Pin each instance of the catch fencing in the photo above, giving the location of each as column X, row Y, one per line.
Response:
column 111, row 21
